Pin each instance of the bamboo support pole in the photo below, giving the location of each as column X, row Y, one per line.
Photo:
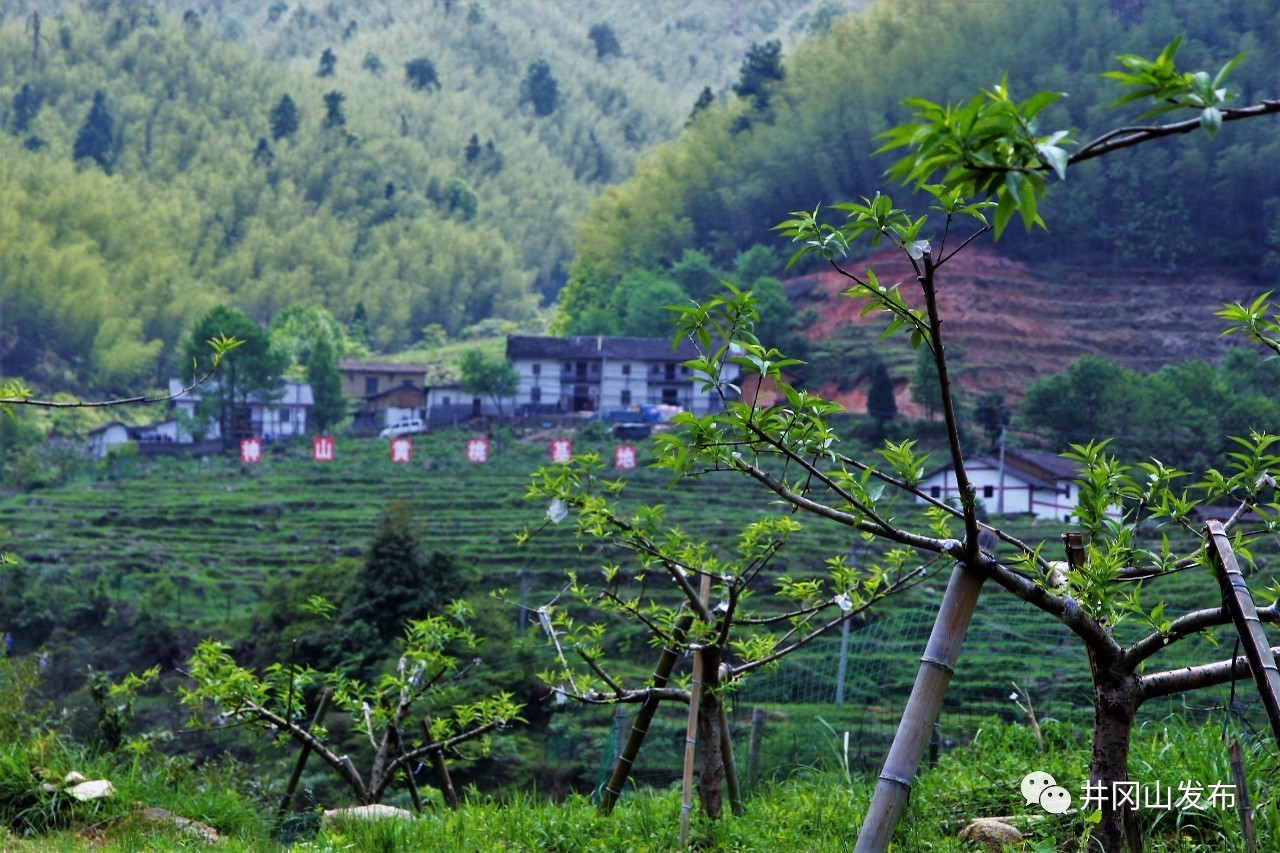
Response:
column 691, row 732
column 640, row 726
column 925, row 703
column 1253, row 639
column 441, row 769
column 322, row 708
column 1242, row 797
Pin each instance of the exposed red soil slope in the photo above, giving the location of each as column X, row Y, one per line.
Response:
column 1016, row 324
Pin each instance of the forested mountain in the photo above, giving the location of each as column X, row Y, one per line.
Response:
column 805, row 137
column 426, row 161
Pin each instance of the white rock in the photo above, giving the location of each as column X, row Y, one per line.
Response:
column 95, row 789
column 75, row 777
column 377, row 811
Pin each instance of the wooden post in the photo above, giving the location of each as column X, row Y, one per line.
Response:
column 691, row 731
column 1239, row 603
column 923, row 707
column 441, row 769
column 321, row 709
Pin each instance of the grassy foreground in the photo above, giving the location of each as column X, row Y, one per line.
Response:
column 813, row 810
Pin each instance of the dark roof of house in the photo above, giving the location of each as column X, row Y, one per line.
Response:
column 1038, row 463
column 1035, row 467
column 380, row 367
column 638, row 349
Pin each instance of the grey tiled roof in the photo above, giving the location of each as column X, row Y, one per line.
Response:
column 592, row 347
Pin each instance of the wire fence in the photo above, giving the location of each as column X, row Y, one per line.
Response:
column 798, row 715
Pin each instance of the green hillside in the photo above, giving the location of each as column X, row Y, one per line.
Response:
column 431, row 171
column 807, row 135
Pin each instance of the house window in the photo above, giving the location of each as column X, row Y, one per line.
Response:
column 684, row 370
column 1068, row 490
column 537, row 370
column 626, row 398
column 935, row 491
column 1067, row 518
column 988, row 491
column 370, row 386
column 581, row 370
column 626, row 370
column 670, row 372
column 535, row 395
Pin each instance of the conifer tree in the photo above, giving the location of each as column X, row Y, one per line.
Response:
column 262, row 153
column 328, row 61
column 421, row 74
column 333, row 115
column 539, row 88
column 26, row 103
column 761, row 69
column 284, row 118
column 605, row 41
column 329, row 406
column 880, row 403
column 96, row 137
column 705, row 99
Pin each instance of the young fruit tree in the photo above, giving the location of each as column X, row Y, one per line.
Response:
column 410, row 713
column 978, row 163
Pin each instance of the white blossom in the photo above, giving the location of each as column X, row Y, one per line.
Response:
column 557, row 511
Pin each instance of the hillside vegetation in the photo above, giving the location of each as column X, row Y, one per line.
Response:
column 806, row 137
column 424, row 162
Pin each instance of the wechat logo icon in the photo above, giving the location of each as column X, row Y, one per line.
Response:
column 1039, row 787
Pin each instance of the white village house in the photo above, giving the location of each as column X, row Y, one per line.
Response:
column 1031, row 482
column 602, row 374
column 278, row 417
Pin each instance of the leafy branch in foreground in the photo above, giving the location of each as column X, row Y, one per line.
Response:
column 426, row 680
column 990, row 147
column 14, row 393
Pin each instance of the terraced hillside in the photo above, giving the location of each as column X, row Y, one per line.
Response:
column 1015, row 325
column 218, row 529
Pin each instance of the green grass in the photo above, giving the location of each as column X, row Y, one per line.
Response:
column 813, row 809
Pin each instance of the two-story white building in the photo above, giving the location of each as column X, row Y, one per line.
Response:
column 276, row 417
column 602, row 375
column 1030, row 482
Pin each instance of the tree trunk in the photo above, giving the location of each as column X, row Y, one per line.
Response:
column 711, row 763
column 1116, row 701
